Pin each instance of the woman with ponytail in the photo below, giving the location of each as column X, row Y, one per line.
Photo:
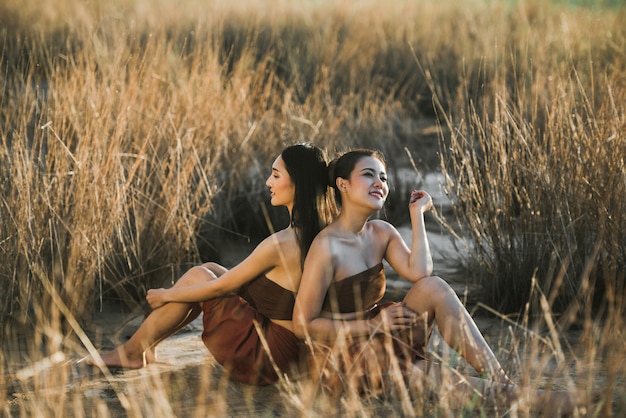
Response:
column 261, row 289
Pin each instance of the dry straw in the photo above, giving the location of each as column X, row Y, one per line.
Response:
column 135, row 134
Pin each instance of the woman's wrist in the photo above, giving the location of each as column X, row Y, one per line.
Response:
column 166, row 295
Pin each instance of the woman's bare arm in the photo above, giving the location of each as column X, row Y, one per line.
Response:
column 416, row 262
column 261, row 260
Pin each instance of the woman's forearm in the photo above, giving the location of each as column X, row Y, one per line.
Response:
column 421, row 260
column 328, row 329
column 194, row 293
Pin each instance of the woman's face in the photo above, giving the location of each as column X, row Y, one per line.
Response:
column 368, row 183
column 282, row 189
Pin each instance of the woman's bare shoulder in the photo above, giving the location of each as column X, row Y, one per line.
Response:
column 286, row 235
column 379, row 225
column 276, row 241
column 322, row 242
column 274, row 250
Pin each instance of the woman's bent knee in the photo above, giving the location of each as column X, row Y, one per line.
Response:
column 215, row 268
column 431, row 285
column 195, row 275
column 426, row 293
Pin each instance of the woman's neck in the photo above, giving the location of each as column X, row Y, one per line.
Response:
column 349, row 221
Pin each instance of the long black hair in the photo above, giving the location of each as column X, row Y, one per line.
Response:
column 313, row 207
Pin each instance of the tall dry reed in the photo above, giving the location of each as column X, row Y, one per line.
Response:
column 536, row 160
column 133, row 133
column 118, row 131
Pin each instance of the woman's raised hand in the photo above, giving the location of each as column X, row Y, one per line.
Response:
column 420, row 199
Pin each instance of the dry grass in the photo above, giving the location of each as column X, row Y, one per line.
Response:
column 132, row 134
column 536, row 162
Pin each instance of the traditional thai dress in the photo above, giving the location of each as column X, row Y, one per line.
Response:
column 231, row 332
column 368, row 362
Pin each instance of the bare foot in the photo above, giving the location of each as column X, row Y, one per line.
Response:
column 119, row 359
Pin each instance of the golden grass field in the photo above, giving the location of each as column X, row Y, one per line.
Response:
column 135, row 139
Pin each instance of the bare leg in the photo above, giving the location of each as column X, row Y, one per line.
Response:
column 161, row 323
column 214, row 270
column 433, row 298
column 437, row 301
column 461, row 387
column 464, row 388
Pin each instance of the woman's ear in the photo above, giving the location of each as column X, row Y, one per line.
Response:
column 341, row 184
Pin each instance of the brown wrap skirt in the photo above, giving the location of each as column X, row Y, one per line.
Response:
column 370, row 364
column 231, row 336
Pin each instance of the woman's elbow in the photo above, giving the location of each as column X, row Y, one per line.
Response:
column 419, row 276
column 426, row 271
column 300, row 325
column 300, row 329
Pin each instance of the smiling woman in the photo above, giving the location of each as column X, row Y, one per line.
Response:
column 362, row 343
